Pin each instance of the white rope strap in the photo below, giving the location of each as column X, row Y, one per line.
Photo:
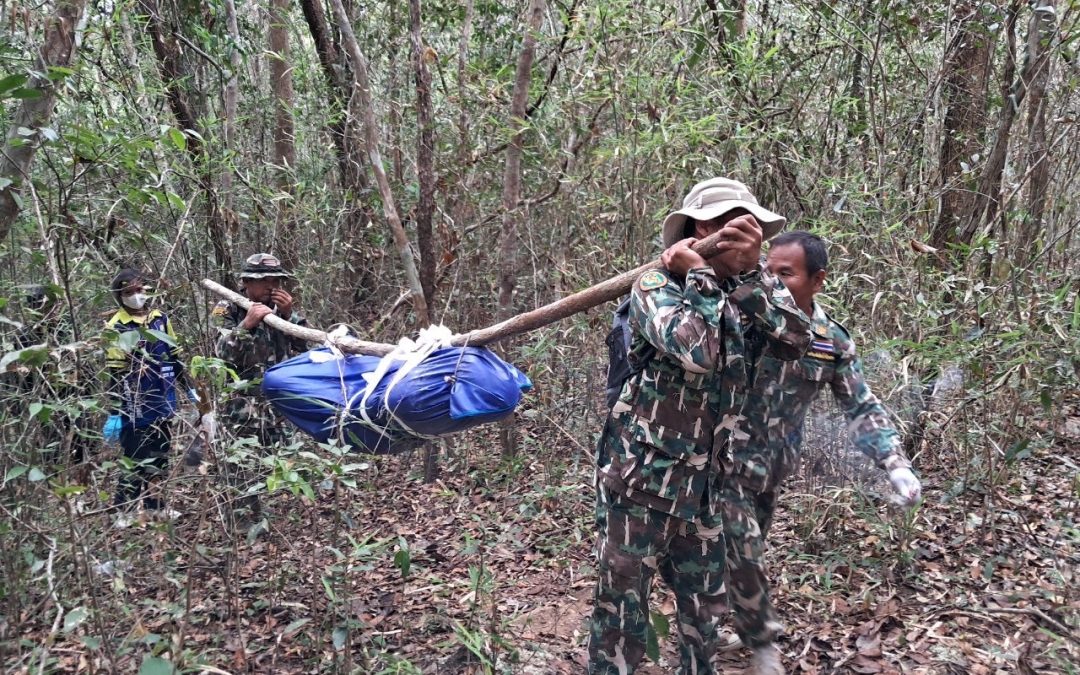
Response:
column 411, row 353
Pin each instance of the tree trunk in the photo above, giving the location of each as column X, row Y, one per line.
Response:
column 1038, row 158
column 511, row 194
column 964, row 97
column 350, row 153
column 987, row 199
column 167, row 51
column 283, row 159
column 716, row 16
column 461, row 206
column 57, row 49
column 425, row 153
column 232, row 87
column 347, row 136
column 425, row 176
column 371, row 132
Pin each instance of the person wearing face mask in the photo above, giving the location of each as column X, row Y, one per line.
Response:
column 143, row 364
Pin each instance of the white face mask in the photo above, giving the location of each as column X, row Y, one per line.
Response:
column 136, row 301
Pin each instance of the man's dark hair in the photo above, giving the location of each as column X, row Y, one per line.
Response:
column 817, row 256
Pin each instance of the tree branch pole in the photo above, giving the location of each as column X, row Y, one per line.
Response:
column 345, row 344
column 602, row 292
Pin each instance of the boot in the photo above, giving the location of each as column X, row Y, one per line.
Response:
column 766, row 661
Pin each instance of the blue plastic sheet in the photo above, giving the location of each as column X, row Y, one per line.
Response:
column 453, row 389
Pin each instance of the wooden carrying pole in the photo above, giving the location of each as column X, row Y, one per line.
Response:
column 602, row 292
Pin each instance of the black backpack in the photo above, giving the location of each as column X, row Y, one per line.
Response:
column 621, row 365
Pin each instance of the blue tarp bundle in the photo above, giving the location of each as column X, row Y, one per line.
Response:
column 452, row 389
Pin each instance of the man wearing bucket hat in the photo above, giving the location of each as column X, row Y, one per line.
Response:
column 250, row 346
column 694, row 324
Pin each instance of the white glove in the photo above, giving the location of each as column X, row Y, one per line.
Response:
column 908, row 489
column 208, row 424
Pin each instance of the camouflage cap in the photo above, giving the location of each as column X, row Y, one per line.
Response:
column 262, row 265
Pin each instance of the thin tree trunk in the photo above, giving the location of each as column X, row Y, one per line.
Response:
column 1041, row 39
column 967, row 66
column 463, row 111
column 425, row 175
column 347, row 136
column 988, row 197
column 371, row 132
column 393, row 113
column 350, row 154
column 512, row 186
column 511, row 193
column 232, row 87
column 57, row 49
column 425, row 153
column 283, row 158
column 740, row 20
column 461, row 207
column 167, row 50
column 716, row 16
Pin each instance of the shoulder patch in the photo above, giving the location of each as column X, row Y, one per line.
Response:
column 220, row 309
column 652, row 280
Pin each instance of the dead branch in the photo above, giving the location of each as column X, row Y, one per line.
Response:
column 605, row 291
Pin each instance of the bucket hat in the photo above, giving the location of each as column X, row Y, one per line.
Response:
column 261, row 266
column 715, row 197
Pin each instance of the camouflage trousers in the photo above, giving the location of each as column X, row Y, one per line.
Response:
column 747, row 515
column 633, row 543
column 253, row 417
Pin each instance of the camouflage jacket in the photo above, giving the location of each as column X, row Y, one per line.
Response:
column 660, row 448
column 250, row 353
column 767, row 446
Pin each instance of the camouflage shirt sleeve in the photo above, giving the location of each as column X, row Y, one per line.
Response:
column 768, row 304
column 680, row 321
column 234, row 342
column 870, row 428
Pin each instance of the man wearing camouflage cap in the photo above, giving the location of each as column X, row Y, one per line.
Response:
column 659, row 456
column 250, row 346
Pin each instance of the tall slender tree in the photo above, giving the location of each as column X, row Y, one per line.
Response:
column 511, row 191
column 966, row 72
column 372, row 134
column 988, row 198
column 425, row 151
column 34, row 113
column 283, row 158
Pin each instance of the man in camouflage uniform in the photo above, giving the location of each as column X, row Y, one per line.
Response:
column 658, row 457
column 250, row 346
column 766, row 449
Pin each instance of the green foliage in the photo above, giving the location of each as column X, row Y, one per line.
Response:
column 829, row 110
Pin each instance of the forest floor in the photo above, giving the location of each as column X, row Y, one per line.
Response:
column 489, row 569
